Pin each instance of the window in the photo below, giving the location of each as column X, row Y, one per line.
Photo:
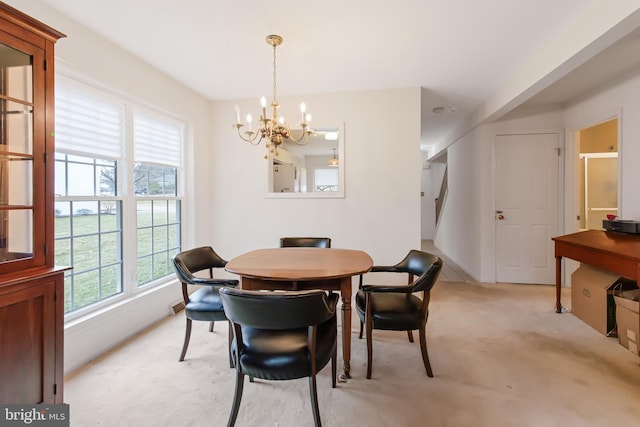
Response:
column 88, row 229
column 157, row 152
column 326, row 179
column 95, row 157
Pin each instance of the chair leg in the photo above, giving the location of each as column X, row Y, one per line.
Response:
column 410, row 334
column 187, row 335
column 361, row 325
column 237, row 397
column 211, row 326
column 423, row 347
column 230, row 340
column 369, row 327
column 314, row 400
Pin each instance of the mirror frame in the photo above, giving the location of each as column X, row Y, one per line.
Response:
column 316, row 194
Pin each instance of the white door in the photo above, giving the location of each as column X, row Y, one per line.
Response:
column 527, row 213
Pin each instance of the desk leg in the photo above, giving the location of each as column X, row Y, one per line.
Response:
column 558, row 283
column 345, row 292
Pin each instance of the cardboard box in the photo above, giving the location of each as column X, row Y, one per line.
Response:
column 627, row 319
column 592, row 297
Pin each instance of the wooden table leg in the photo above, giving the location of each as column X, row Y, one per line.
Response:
column 558, row 283
column 345, row 292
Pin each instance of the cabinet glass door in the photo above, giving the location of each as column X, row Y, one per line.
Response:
column 16, row 155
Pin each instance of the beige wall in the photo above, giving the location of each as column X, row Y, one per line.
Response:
column 601, row 138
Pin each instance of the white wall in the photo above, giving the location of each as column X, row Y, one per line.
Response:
column 619, row 100
column 380, row 212
column 466, row 232
column 92, row 58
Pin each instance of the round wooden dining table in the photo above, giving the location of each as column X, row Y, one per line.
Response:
column 306, row 268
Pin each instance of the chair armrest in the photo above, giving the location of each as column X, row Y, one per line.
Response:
column 388, row 288
column 214, row 282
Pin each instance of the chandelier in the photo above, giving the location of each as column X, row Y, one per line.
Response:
column 275, row 130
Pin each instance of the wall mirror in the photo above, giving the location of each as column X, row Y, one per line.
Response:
column 314, row 170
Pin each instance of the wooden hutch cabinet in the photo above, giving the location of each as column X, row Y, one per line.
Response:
column 31, row 286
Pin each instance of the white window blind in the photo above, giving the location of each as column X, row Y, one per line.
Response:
column 87, row 123
column 157, row 141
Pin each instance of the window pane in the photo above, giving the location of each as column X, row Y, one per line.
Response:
column 63, row 220
column 109, row 218
column 82, row 179
column 107, row 180
column 144, row 270
column 160, row 264
column 174, row 211
column 85, row 253
column 109, row 248
column 63, row 251
column 159, row 212
column 110, row 279
column 144, row 242
column 86, row 288
column 85, row 218
column 144, row 213
column 159, row 239
column 174, row 237
column 61, row 177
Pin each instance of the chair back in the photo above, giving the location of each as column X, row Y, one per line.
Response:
column 189, row 262
column 276, row 309
column 423, row 265
column 308, row 242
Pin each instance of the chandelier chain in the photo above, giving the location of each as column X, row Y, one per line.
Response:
column 275, row 101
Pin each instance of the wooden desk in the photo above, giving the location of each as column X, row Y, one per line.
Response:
column 608, row 250
column 305, row 268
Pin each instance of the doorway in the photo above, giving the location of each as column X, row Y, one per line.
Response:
column 598, row 174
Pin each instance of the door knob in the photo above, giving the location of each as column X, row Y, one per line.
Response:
column 500, row 217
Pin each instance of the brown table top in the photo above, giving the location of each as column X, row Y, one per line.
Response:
column 300, row 263
column 621, row 244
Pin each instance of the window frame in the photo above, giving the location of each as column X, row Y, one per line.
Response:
column 125, row 196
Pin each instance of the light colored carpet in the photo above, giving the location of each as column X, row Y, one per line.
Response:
column 500, row 354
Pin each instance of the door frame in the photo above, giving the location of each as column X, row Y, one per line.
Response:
column 571, row 185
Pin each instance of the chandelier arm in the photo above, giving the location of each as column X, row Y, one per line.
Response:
column 251, row 136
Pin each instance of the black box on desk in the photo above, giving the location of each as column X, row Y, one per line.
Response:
column 592, row 297
column 621, row 225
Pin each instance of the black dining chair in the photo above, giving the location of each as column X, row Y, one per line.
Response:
column 307, row 242
column 396, row 307
column 281, row 335
column 204, row 304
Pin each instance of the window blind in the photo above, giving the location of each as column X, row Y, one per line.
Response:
column 87, row 123
column 156, row 141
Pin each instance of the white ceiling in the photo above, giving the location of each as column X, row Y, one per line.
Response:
column 461, row 51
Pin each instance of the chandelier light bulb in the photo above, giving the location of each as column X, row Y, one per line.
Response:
column 303, row 108
column 263, row 102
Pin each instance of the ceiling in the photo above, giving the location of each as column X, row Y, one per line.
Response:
column 460, row 51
